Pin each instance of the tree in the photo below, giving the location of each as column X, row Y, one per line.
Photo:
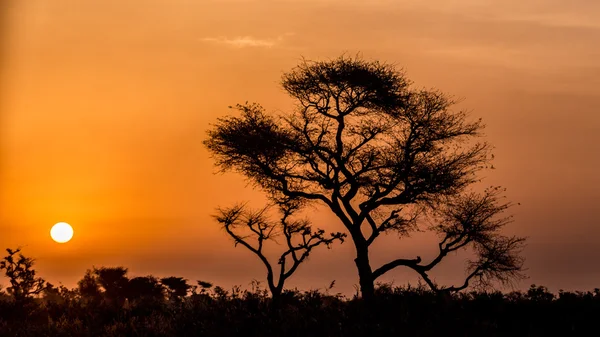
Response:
column 58, row 295
column 177, row 287
column 203, row 285
column 113, row 285
column 88, row 286
column 252, row 229
column 114, row 282
column 144, row 288
column 382, row 156
column 23, row 280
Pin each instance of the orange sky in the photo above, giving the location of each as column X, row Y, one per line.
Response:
column 104, row 106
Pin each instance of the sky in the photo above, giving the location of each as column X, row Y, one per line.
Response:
column 104, row 106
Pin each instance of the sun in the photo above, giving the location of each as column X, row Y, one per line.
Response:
column 61, row 232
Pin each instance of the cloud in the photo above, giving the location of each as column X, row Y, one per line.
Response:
column 245, row 41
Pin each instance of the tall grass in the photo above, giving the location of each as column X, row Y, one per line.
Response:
column 396, row 311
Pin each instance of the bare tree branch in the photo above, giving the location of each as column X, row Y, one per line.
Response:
column 299, row 237
column 472, row 220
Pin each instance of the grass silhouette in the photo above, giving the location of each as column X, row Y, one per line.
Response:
column 411, row 311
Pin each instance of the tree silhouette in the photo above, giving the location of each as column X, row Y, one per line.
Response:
column 177, row 287
column 144, row 288
column 203, row 285
column 113, row 285
column 88, row 286
column 114, row 282
column 252, row 229
column 382, row 156
column 22, row 277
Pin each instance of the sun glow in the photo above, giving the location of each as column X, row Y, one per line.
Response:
column 61, row 232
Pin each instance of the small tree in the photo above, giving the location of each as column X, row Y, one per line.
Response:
column 88, row 286
column 177, row 287
column 144, row 288
column 252, row 229
column 382, row 156
column 23, row 280
column 204, row 287
column 114, row 282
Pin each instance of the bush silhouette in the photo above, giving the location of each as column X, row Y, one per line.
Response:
column 148, row 310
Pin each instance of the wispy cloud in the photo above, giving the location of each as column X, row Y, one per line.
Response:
column 246, row 41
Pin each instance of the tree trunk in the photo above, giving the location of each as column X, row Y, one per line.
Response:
column 365, row 274
column 275, row 300
column 275, row 291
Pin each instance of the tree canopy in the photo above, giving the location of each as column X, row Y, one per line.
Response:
column 383, row 157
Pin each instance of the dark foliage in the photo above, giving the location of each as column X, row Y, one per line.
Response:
column 22, row 277
column 107, row 302
column 393, row 311
column 177, row 287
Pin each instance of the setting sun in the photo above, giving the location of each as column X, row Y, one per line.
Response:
column 61, row 232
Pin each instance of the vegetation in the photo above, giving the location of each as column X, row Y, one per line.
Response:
column 107, row 302
column 381, row 156
column 22, row 276
column 298, row 235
